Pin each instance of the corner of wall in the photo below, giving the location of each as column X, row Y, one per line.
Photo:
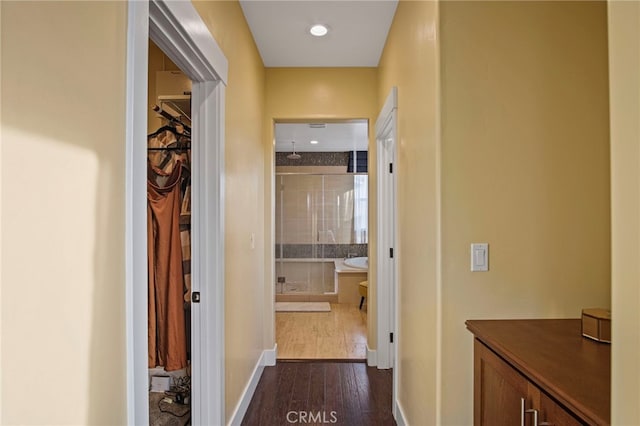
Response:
column 1, row 223
column 624, row 92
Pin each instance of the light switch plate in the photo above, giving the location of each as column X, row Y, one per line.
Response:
column 479, row 257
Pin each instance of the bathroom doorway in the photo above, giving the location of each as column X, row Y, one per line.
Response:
column 321, row 239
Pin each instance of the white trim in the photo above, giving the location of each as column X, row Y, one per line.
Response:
column 401, row 419
column 178, row 29
column 390, row 104
column 250, row 388
column 136, row 214
column 270, row 356
column 386, row 283
column 372, row 358
column 207, row 273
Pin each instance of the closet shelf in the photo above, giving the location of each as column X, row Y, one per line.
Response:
column 180, row 104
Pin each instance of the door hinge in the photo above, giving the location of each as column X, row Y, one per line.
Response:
column 195, row 297
column 390, row 167
column 391, row 337
column 391, row 252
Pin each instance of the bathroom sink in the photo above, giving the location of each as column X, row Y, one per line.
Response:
column 357, row 262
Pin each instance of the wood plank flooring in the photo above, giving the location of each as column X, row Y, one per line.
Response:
column 317, row 392
column 339, row 334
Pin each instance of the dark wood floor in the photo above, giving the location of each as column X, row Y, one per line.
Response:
column 340, row 393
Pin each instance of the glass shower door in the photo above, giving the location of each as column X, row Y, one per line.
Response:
column 299, row 256
column 319, row 218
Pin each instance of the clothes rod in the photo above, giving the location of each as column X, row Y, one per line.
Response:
column 170, row 117
column 171, row 148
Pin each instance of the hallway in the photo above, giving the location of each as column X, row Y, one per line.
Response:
column 341, row 393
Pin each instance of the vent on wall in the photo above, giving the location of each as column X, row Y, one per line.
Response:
column 317, row 125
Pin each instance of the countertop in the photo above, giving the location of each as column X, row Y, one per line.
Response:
column 552, row 353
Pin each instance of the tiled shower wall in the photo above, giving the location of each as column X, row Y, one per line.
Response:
column 315, row 220
column 317, row 210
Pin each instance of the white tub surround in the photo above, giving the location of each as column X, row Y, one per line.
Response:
column 347, row 279
column 343, row 268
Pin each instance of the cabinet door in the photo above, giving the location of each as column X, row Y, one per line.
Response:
column 553, row 414
column 498, row 390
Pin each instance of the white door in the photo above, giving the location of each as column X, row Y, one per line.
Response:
column 387, row 252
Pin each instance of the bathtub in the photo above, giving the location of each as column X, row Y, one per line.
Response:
column 318, row 280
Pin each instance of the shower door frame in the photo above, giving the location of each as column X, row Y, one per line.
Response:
column 313, row 259
column 177, row 28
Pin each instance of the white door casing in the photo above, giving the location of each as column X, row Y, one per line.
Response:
column 178, row 30
column 386, row 230
column 387, row 274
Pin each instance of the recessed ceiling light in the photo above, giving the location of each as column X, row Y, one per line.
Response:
column 313, row 142
column 319, row 30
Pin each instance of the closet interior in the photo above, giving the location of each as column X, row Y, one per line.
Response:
column 169, row 241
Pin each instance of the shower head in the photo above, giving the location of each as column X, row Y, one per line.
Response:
column 293, row 155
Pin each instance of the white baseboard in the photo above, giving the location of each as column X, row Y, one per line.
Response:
column 372, row 358
column 247, row 394
column 269, row 356
column 399, row 415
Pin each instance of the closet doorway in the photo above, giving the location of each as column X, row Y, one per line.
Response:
column 169, row 240
column 194, row 51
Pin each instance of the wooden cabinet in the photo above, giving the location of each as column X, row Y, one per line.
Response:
column 500, row 387
column 539, row 373
column 552, row 413
column 508, row 398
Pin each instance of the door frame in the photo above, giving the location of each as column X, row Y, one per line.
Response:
column 177, row 28
column 386, row 266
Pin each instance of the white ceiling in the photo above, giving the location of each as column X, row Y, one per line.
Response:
column 335, row 137
column 357, row 31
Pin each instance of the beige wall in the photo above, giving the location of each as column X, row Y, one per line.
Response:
column 410, row 62
column 63, row 132
column 624, row 62
column 1, row 214
column 322, row 94
column 244, row 196
column 525, row 168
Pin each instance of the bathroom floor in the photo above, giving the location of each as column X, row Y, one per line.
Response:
column 339, row 334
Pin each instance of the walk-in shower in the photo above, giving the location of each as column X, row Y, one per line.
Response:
column 319, row 218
